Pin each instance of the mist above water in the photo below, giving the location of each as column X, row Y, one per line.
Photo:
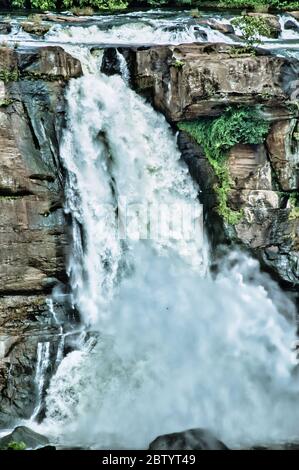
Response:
column 179, row 351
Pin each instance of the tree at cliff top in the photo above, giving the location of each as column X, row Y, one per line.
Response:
column 122, row 4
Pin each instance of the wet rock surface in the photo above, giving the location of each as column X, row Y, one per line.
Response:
column 192, row 439
column 266, row 228
column 5, row 27
column 33, row 231
column 37, row 29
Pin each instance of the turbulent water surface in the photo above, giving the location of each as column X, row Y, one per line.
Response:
column 169, row 346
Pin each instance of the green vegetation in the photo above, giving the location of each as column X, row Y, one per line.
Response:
column 252, row 27
column 13, row 445
column 217, row 136
column 77, row 5
column 260, row 5
column 87, row 11
column 86, row 6
column 9, row 75
column 47, row 77
column 6, row 102
column 178, row 64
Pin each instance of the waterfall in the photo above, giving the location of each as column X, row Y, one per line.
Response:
column 177, row 348
column 43, row 361
column 289, row 34
column 123, row 67
column 118, row 187
column 177, row 31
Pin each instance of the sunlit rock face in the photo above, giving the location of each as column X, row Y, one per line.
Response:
column 195, row 80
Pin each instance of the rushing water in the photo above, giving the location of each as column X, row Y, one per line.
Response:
column 43, row 362
column 152, row 27
column 166, row 345
column 177, row 348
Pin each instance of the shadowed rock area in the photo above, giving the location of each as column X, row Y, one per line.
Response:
column 192, row 439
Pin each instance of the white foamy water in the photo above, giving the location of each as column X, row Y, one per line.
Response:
column 180, row 351
column 177, row 348
column 147, row 28
column 138, row 33
column 115, row 175
column 43, row 361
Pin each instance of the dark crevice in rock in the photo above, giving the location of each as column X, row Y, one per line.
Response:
column 42, row 177
column 33, row 134
column 15, row 194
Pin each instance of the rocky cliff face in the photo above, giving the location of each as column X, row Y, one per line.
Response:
column 33, row 235
column 194, row 81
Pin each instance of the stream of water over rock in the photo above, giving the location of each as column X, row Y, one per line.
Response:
column 170, row 346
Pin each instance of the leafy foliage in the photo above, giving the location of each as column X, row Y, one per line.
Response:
column 218, row 136
column 13, row 445
column 9, row 76
column 178, row 64
column 252, row 28
column 70, row 4
column 6, row 102
column 258, row 5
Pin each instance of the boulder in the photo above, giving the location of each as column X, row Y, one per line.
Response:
column 272, row 21
column 38, row 29
column 62, row 18
column 49, row 62
column 31, row 439
column 5, row 27
column 192, row 439
column 295, row 14
column 249, row 167
column 224, row 28
column 292, row 25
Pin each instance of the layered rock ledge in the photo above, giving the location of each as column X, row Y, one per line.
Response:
column 33, row 233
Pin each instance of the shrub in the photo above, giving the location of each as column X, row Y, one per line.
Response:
column 218, row 136
column 258, row 5
column 9, row 76
column 13, row 445
column 252, row 27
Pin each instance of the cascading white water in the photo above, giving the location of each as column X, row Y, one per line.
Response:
column 289, row 34
column 177, row 349
column 43, row 361
column 138, row 33
column 113, row 174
